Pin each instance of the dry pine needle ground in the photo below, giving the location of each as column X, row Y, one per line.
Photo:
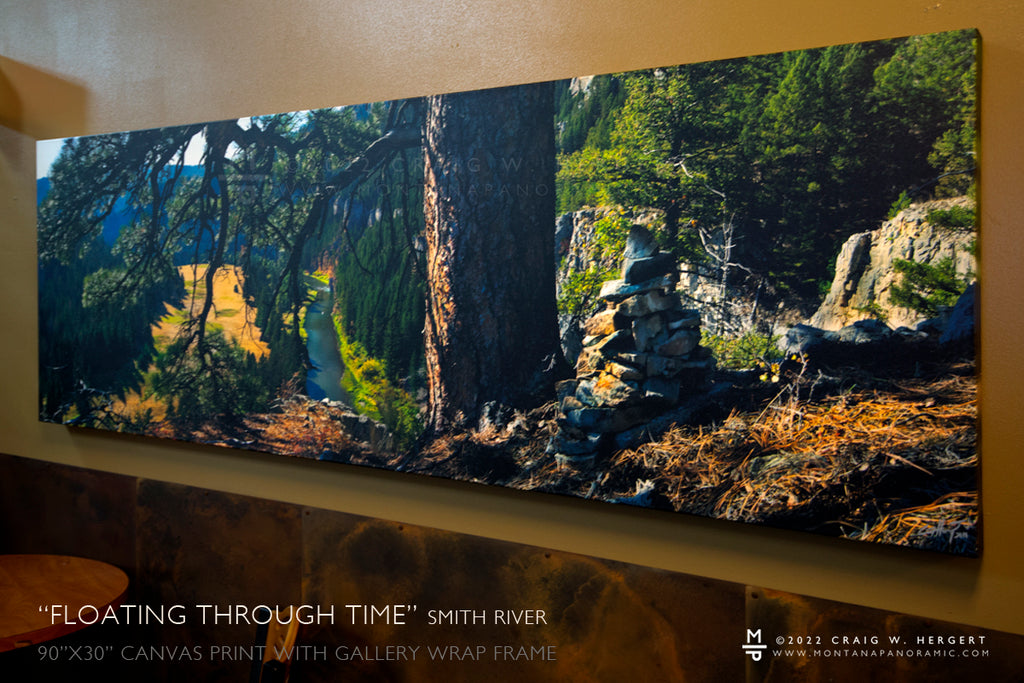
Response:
column 893, row 463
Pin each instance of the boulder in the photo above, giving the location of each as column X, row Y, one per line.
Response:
column 590, row 360
column 625, row 372
column 684, row 319
column 607, row 390
column 640, row 243
column 566, row 387
column 632, row 358
column 907, row 334
column 567, row 403
column 594, row 354
column 801, row 339
column 604, row 324
column 567, row 445
column 646, row 331
column 865, row 332
column 679, row 344
column 648, row 303
column 661, row 366
column 639, row 270
column 607, row 420
column 617, row 290
column 363, row 428
column 571, row 337
column 932, row 326
column 662, row 390
column 620, row 340
column 696, row 376
column 961, row 319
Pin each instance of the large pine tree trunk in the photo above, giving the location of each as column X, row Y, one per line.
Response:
column 489, row 205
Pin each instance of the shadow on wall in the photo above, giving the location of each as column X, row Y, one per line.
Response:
column 38, row 103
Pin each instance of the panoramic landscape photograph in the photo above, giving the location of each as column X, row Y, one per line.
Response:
column 742, row 289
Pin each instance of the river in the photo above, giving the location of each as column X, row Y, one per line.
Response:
column 323, row 380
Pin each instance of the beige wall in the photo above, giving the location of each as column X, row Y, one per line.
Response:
column 69, row 68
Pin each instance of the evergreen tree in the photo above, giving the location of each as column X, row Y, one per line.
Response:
column 791, row 152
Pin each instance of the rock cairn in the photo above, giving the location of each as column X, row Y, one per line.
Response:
column 641, row 356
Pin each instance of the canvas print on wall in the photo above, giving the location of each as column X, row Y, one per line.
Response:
column 740, row 289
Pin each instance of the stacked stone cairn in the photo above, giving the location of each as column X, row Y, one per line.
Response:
column 641, row 356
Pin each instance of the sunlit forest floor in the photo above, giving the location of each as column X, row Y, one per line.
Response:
column 888, row 455
column 884, row 451
column 230, row 314
column 299, row 427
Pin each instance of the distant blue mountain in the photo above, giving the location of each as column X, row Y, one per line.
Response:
column 42, row 189
column 122, row 214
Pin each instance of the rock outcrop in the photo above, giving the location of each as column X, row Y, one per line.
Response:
column 864, row 268
column 955, row 328
column 576, row 248
column 960, row 325
column 641, row 355
column 361, row 428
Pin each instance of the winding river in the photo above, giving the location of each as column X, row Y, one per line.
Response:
column 323, row 380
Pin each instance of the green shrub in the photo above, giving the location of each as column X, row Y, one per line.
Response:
column 926, row 288
column 953, row 217
column 610, row 233
column 203, row 382
column 741, row 353
column 875, row 310
column 902, row 202
column 373, row 394
column 581, row 290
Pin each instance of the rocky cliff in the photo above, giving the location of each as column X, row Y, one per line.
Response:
column 865, row 275
column 575, row 246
